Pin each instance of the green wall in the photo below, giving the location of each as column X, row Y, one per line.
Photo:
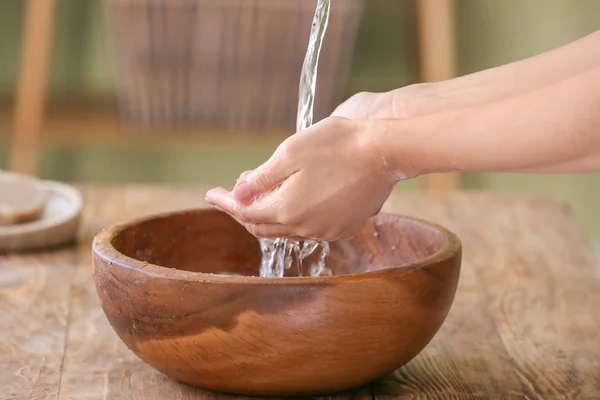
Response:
column 80, row 60
column 490, row 32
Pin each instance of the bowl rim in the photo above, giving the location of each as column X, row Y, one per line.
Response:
column 102, row 247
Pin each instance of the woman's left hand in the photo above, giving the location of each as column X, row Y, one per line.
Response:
column 322, row 183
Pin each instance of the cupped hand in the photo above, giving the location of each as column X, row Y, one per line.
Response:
column 322, row 183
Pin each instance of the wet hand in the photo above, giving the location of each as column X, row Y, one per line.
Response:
column 321, row 183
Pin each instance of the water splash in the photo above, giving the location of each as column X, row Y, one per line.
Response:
column 278, row 254
column 281, row 254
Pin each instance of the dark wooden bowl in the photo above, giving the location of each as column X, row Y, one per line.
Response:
column 166, row 285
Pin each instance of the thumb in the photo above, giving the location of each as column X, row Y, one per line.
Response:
column 262, row 180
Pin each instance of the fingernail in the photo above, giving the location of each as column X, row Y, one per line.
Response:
column 242, row 193
column 211, row 196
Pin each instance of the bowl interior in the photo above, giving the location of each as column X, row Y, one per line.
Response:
column 209, row 241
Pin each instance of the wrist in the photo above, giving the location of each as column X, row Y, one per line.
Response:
column 416, row 100
column 418, row 146
column 385, row 141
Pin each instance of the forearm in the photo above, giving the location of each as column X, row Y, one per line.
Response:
column 552, row 130
column 499, row 82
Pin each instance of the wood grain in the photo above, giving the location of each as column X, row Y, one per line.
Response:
column 524, row 323
column 103, row 368
column 318, row 335
column 34, row 315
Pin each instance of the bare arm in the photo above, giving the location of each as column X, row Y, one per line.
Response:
column 555, row 129
column 480, row 87
column 546, row 120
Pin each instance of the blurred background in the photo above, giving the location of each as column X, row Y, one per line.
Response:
column 196, row 91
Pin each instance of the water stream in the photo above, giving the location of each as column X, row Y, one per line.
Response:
column 278, row 255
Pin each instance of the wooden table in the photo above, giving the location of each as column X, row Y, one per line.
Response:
column 525, row 322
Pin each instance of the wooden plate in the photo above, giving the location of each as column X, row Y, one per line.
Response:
column 57, row 225
column 22, row 198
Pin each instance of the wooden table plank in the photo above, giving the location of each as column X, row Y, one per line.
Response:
column 34, row 313
column 525, row 320
column 524, row 323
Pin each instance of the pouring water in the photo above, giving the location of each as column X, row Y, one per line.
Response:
column 278, row 254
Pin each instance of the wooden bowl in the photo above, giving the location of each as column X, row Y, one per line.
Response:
column 168, row 287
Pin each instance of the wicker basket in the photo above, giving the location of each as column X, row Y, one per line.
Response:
column 225, row 63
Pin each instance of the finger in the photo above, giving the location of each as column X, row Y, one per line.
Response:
column 261, row 213
column 238, row 220
column 258, row 230
column 209, row 200
column 258, row 215
column 346, row 237
column 263, row 179
column 269, row 231
column 243, row 176
column 221, row 199
column 265, row 210
column 214, row 198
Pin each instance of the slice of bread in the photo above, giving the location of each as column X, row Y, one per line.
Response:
column 22, row 198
